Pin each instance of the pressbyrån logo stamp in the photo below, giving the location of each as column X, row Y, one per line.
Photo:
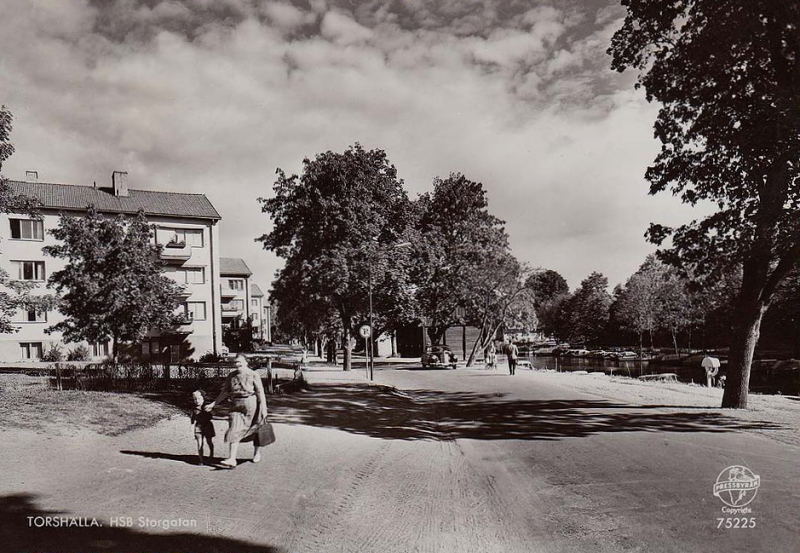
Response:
column 736, row 486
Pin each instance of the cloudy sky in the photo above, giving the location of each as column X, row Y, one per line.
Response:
column 211, row 96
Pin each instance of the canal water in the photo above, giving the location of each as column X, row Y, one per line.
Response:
column 618, row 368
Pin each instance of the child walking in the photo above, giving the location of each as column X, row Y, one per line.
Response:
column 202, row 425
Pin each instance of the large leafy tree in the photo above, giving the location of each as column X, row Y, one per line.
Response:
column 636, row 304
column 589, row 309
column 554, row 316
column 112, row 286
column 500, row 297
column 547, row 284
column 458, row 238
column 336, row 225
column 15, row 295
column 727, row 76
column 549, row 290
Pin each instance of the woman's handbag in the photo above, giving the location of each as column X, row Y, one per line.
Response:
column 266, row 434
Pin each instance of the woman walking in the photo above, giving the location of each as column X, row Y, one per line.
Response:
column 248, row 414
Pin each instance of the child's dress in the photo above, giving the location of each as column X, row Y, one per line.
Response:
column 202, row 423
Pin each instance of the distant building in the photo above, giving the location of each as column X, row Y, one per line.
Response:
column 257, row 311
column 235, row 294
column 185, row 224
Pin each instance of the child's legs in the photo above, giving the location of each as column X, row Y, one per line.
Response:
column 210, row 441
column 199, row 439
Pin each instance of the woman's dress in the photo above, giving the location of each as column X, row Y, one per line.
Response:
column 244, row 417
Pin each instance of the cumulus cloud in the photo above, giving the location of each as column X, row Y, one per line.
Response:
column 211, row 97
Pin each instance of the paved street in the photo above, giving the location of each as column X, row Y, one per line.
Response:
column 433, row 461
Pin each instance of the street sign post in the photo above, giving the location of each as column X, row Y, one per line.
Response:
column 365, row 331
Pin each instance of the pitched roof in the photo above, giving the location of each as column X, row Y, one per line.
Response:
column 74, row 197
column 255, row 291
column 233, row 266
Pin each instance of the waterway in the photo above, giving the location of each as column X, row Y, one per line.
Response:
column 613, row 367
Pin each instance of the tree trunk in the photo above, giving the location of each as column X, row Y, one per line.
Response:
column 478, row 340
column 758, row 285
column 435, row 334
column 348, row 349
column 114, row 349
column 746, row 330
column 675, row 340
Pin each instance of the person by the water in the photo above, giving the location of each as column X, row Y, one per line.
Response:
column 513, row 354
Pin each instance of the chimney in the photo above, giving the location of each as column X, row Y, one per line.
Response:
column 119, row 183
column 32, row 176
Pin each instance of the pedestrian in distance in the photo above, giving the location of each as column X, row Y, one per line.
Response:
column 248, row 411
column 203, row 426
column 490, row 356
column 512, row 352
column 711, row 366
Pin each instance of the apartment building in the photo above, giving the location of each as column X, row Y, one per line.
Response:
column 234, row 291
column 185, row 224
column 257, row 311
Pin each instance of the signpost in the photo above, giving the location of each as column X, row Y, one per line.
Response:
column 365, row 332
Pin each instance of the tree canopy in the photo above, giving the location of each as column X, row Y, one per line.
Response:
column 112, row 286
column 336, row 225
column 458, row 241
column 589, row 308
column 726, row 75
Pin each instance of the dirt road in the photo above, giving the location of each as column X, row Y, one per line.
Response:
column 447, row 461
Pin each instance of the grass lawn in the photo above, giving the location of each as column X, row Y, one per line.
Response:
column 26, row 402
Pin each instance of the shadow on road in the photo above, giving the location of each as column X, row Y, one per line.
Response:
column 188, row 459
column 22, row 531
column 423, row 414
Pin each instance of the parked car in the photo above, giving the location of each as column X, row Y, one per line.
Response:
column 439, row 357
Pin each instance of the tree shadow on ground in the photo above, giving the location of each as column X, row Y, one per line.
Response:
column 423, row 414
column 19, row 532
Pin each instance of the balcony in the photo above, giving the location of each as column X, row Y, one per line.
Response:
column 182, row 324
column 176, row 253
column 228, row 293
column 184, row 292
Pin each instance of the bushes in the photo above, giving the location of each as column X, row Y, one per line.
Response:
column 137, row 377
column 211, row 357
column 80, row 353
column 54, row 353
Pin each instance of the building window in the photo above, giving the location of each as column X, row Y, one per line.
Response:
column 195, row 310
column 29, row 270
column 27, row 229
column 236, row 284
column 100, row 349
column 30, row 316
column 253, row 303
column 255, row 316
column 192, row 275
column 237, row 304
column 31, row 350
column 182, row 236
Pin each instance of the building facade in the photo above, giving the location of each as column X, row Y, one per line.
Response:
column 235, row 298
column 257, row 311
column 185, row 224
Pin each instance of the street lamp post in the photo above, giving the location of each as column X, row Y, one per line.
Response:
column 371, row 358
